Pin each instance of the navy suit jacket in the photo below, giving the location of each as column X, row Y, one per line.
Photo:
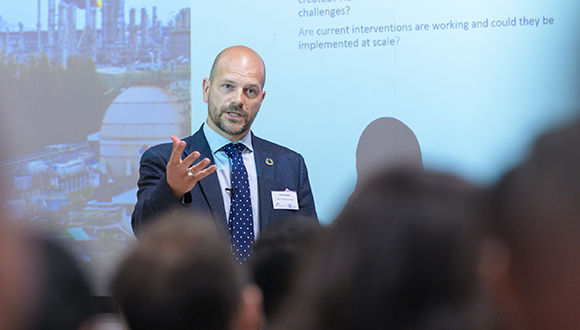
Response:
column 288, row 171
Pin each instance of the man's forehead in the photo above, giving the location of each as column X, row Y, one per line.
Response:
column 233, row 74
column 242, row 64
column 242, row 55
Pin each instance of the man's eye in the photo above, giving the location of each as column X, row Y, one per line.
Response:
column 228, row 86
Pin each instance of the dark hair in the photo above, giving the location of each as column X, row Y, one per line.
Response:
column 276, row 255
column 181, row 275
column 401, row 255
column 65, row 298
column 536, row 206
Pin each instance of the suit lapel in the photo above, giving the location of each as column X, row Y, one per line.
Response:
column 209, row 186
column 266, row 174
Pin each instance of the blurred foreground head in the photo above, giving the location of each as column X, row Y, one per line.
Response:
column 181, row 275
column 66, row 298
column 275, row 258
column 534, row 249
column 19, row 276
column 401, row 255
column 41, row 285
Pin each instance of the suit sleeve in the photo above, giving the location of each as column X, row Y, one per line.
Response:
column 154, row 196
column 305, row 197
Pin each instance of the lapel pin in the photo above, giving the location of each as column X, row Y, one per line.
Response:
column 269, row 161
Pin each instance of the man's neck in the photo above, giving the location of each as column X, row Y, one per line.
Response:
column 216, row 141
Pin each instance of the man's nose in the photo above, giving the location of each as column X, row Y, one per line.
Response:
column 238, row 97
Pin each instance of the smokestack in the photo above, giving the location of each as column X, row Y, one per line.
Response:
column 144, row 27
column 38, row 26
column 62, row 32
column 132, row 28
column 71, row 25
column 88, row 18
column 154, row 22
column 51, row 23
column 87, row 34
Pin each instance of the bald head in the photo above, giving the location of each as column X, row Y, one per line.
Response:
column 237, row 53
column 234, row 92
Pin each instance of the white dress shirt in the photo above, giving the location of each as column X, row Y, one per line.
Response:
column 224, row 171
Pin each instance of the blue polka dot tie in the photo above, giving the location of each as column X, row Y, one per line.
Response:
column 241, row 221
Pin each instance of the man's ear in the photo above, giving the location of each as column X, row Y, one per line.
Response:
column 262, row 95
column 205, row 89
column 250, row 314
column 496, row 274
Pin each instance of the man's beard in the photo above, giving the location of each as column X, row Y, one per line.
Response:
column 215, row 116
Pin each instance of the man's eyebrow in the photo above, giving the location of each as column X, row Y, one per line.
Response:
column 254, row 85
column 227, row 81
column 230, row 81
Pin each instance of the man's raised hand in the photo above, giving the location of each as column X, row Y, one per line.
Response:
column 180, row 177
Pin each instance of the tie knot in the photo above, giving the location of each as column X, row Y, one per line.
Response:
column 233, row 149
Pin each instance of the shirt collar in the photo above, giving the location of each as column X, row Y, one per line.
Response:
column 216, row 141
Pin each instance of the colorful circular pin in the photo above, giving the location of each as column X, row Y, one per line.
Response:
column 269, row 161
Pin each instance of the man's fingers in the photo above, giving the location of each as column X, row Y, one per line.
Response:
column 205, row 172
column 199, row 166
column 178, row 147
column 191, row 158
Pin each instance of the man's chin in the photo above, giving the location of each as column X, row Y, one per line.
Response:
column 234, row 130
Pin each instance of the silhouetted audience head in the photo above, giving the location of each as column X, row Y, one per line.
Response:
column 401, row 255
column 386, row 143
column 65, row 295
column 181, row 275
column 534, row 252
column 19, row 276
column 275, row 257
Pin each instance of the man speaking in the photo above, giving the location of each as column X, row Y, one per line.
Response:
column 245, row 183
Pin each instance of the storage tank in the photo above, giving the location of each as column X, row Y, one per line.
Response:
column 138, row 118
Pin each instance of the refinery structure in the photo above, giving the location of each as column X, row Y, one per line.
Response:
column 110, row 40
column 84, row 193
column 68, row 178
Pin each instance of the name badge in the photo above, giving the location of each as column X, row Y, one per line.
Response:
column 285, row 200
